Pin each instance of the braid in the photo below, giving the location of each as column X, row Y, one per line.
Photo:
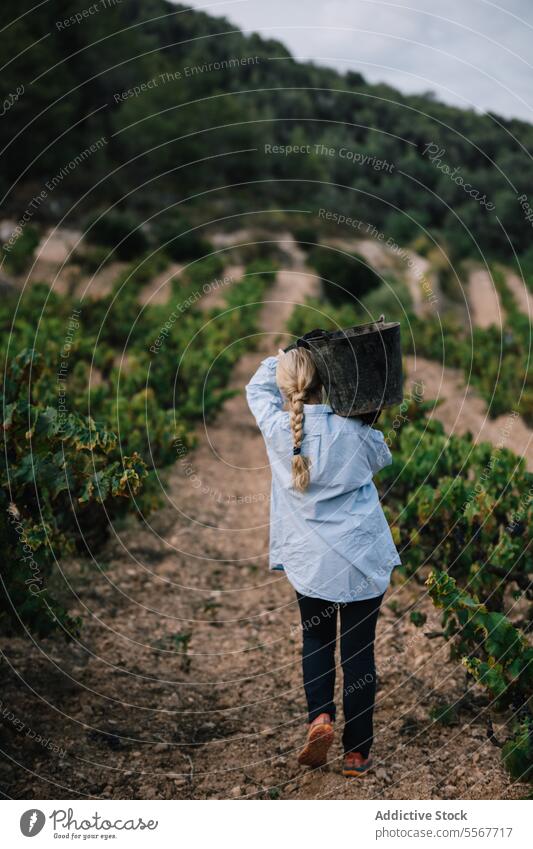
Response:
column 297, row 417
column 300, row 464
column 298, row 379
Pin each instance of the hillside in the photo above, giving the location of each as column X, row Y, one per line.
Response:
column 179, row 103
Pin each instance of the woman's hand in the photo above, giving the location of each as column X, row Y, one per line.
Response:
column 370, row 418
column 306, row 340
column 303, row 341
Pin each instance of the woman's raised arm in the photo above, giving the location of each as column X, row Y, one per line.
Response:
column 263, row 396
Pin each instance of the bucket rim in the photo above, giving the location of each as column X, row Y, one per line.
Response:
column 354, row 330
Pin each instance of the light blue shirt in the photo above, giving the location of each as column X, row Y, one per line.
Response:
column 332, row 540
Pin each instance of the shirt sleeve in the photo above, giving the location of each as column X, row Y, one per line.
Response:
column 263, row 396
column 378, row 452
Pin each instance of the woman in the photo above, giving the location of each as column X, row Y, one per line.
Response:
column 330, row 536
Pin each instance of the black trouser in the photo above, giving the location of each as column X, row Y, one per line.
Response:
column 358, row 628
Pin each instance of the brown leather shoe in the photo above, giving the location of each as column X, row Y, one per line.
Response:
column 319, row 739
column 356, row 765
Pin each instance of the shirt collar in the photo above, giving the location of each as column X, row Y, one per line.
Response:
column 317, row 409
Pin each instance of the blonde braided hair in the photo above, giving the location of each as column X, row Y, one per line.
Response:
column 298, row 379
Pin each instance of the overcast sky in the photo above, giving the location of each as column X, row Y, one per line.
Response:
column 469, row 52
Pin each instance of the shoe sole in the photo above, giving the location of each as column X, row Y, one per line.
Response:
column 315, row 751
column 357, row 773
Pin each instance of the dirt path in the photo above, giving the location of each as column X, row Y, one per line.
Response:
column 483, row 299
column 521, row 293
column 159, row 289
column 462, row 409
column 422, row 282
column 57, row 245
column 214, row 293
column 51, row 261
column 414, row 270
column 186, row 682
column 377, row 254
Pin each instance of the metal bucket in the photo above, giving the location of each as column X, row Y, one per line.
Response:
column 360, row 367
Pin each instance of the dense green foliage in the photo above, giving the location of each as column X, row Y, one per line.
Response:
column 176, row 103
column 178, row 240
column 344, row 276
column 19, row 256
column 119, row 231
column 62, row 480
column 95, row 398
column 524, row 268
column 305, row 234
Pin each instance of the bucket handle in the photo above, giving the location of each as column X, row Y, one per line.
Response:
column 303, row 341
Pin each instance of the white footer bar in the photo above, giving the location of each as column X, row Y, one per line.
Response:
column 267, row 824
